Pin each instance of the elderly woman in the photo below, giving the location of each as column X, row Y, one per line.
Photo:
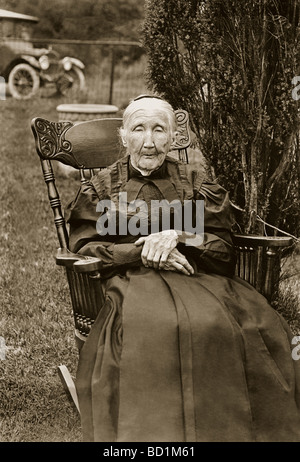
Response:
column 182, row 350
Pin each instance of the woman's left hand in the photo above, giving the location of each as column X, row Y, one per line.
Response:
column 157, row 247
column 178, row 262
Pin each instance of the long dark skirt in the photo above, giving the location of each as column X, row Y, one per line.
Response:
column 173, row 358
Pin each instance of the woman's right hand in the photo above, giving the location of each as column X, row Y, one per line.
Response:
column 157, row 247
column 177, row 262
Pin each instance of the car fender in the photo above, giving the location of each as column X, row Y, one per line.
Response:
column 31, row 60
column 76, row 62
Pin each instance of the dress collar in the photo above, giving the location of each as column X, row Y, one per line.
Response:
column 161, row 172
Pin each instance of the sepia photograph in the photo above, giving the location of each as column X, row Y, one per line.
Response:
column 150, row 224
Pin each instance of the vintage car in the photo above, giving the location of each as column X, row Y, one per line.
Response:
column 27, row 68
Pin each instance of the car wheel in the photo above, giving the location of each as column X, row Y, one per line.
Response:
column 72, row 83
column 23, row 81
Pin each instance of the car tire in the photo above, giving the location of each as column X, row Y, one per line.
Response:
column 78, row 87
column 23, row 81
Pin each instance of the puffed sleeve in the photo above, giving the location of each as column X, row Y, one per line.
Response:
column 82, row 216
column 216, row 253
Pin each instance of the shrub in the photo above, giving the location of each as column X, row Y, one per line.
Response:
column 231, row 65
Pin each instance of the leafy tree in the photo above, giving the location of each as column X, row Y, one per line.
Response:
column 84, row 19
column 230, row 63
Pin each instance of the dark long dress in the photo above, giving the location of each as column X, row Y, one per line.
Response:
column 175, row 358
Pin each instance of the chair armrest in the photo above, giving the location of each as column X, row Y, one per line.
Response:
column 78, row 263
column 252, row 240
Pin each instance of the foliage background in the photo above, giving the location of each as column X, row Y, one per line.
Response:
column 82, row 19
column 231, row 63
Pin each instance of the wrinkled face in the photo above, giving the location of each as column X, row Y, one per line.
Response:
column 148, row 137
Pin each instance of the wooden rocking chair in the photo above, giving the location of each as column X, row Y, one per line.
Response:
column 94, row 144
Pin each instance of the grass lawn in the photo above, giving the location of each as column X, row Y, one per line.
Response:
column 36, row 317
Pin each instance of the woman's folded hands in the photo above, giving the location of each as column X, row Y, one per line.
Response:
column 160, row 252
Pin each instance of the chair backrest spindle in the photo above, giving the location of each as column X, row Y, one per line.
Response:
column 55, row 204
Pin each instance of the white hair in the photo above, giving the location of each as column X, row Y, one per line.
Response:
column 151, row 102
